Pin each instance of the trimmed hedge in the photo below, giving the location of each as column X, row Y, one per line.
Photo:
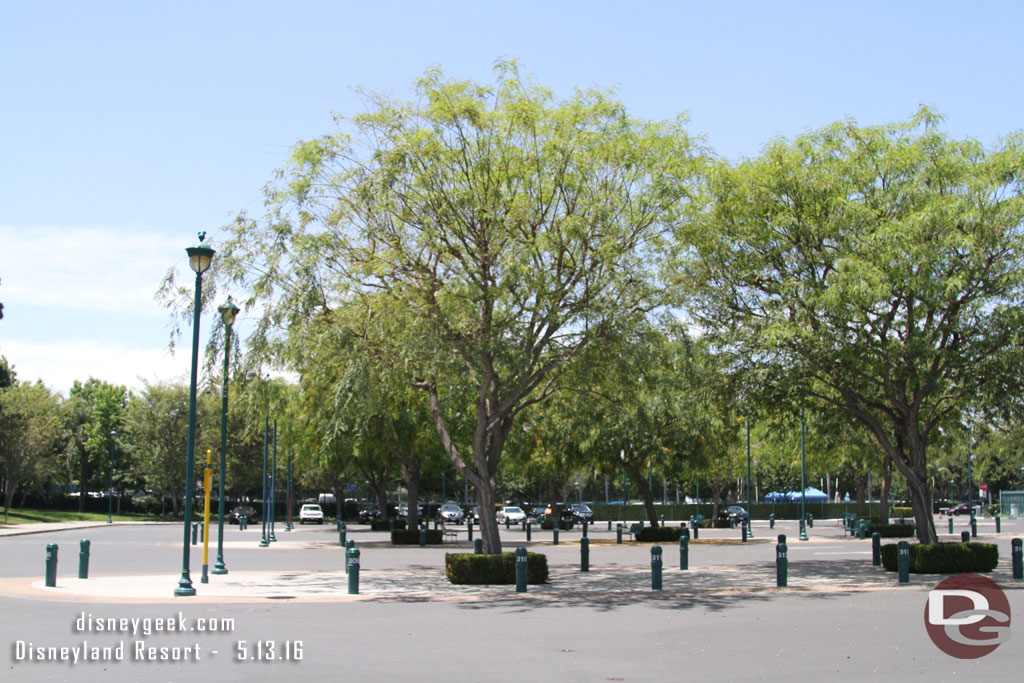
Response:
column 385, row 525
column 470, row 569
column 412, row 537
column 945, row 558
column 894, row 530
column 659, row 534
column 548, row 525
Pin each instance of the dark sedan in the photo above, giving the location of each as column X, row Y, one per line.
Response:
column 247, row 510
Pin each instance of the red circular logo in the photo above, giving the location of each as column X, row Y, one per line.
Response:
column 967, row 616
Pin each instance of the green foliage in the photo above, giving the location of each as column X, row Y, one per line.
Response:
column 659, row 534
column 412, row 537
column 904, row 512
column 388, row 525
column 872, row 269
column 548, row 524
column 944, row 558
column 30, row 430
column 893, row 530
column 464, row 568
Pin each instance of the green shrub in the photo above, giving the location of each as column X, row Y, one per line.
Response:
column 385, row 525
column 894, row 530
column 898, row 512
column 718, row 523
column 660, row 534
column 548, row 524
column 466, row 568
column 944, row 558
column 412, row 537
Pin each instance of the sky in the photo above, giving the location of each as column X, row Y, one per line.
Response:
column 128, row 127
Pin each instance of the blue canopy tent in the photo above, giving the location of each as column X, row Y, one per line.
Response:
column 812, row 495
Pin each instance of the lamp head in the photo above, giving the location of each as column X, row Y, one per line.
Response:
column 228, row 313
column 200, row 256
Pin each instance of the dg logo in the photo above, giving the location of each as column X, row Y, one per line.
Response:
column 967, row 616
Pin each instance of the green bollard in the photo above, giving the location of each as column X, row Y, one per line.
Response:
column 656, row 568
column 876, row 549
column 999, row 527
column 684, row 552
column 584, row 528
column 965, row 536
column 609, row 524
column 51, row 565
column 771, row 521
column 342, row 534
column 950, row 518
column 810, row 521
column 696, row 531
column 743, row 525
column 243, row 521
column 353, row 570
column 903, row 559
column 803, row 530
column 555, row 537
column 1017, row 553
column 478, row 546
column 585, row 555
column 524, row 525
column 661, row 520
column 862, row 529
column 529, row 531
column 618, row 534
column 469, row 529
column 195, row 532
column 349, row 545
column 391, row 524
column 83, row 558
column 508, row 523
column 423, row 536
column 202, row 531
column 974, row 527
column 781, row 563
column 521, row 565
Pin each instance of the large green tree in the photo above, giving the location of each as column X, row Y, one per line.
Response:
column 30, row 430
column 511, row 228
column 876, row 269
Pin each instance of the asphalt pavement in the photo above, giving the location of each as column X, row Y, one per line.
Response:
column 723, row 618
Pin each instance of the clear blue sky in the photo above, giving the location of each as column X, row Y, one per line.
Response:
column 126, row 127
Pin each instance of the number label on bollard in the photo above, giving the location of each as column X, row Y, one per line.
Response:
column 521, row 566
column 903, row 560
column 781, row 565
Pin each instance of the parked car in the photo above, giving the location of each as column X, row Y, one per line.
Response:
column 403, row 511
column 537, row 512
column 580, row 512
column 311, row 513
column 961, row 509
column 511, row 514
column 734, row 513
column 368, row 512
column 450, row 513
column 248, row 510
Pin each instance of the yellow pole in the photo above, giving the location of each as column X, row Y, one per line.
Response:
column 207, row 475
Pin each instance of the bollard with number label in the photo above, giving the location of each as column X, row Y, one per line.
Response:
column 342, row 534
column 521, row 566
column 684, row 551
column 353, row 571
column 656, row 568
column 1017, row 555
column 781, row 563
column 903, row 559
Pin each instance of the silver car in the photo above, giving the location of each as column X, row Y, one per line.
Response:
column 450, row 513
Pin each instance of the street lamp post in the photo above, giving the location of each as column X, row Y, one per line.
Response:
column 228, row 313
column 750, row 509
column 199, row 259
column 970, row 484
column 803, row 482
column 273, row 486
column 265, row 540
column 110, row 488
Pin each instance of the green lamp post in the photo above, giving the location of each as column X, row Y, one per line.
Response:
column 228, row 313
column 750, row 509
column 199, row 259
column 803, row 481
column 110, row 488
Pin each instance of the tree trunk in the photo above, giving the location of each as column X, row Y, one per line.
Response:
column 644, row 487
column 411, row 476
column 883, row 498
column 862, row 487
